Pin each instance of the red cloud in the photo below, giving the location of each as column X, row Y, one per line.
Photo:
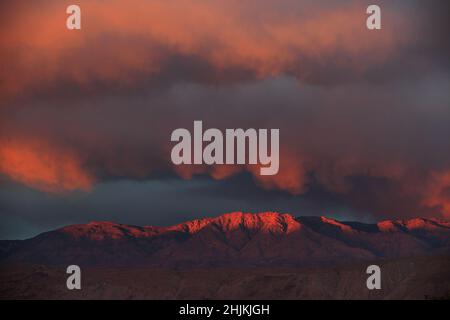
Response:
column 121, row 42
column 42, row 166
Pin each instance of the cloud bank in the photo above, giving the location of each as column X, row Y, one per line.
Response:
column 363, row 115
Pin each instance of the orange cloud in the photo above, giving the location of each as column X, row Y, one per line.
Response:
column 120, row 42
column 291, row 176
column 438, row 192
column 39, row 165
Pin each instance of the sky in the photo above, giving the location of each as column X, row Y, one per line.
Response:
column 86, row 115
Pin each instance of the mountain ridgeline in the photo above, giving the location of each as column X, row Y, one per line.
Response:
column 234, row 239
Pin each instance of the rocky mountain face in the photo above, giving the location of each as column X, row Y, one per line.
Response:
column 235, row 239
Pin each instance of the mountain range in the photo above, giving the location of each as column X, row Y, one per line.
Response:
column 234, row 239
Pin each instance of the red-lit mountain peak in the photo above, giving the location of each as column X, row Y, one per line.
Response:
column 265, row 221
